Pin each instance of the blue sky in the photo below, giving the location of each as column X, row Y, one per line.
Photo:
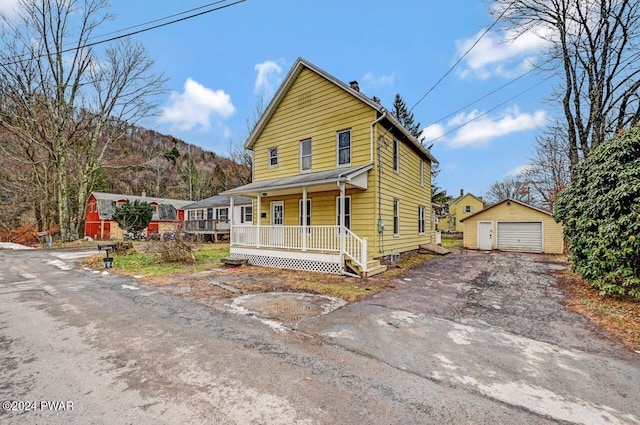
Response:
column 219, row 65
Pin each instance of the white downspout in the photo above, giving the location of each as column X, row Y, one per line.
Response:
column 383, row 116
column 342, row 227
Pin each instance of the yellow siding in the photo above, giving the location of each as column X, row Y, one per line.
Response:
column 552, row 232
column 315, row 109
column 404, row 185
column 456, row 210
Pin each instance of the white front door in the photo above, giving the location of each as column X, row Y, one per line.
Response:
column 276, row 233
column 485, row 235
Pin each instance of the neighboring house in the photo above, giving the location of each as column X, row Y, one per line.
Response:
column 209, row 219
column 461, row 207
column 337, row 183
column 100, row 207
column 512, row 225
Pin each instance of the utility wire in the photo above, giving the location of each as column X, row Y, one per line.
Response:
column 158, row 20
column 495, row 22
column 71, row 49
column 490, row 110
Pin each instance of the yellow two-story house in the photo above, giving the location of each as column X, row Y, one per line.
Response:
column 338, row 184
column 458, row 209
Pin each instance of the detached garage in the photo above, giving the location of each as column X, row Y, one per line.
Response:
column 512, row 225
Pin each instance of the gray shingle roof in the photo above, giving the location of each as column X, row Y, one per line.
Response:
column 106, row 203
column 340, row 174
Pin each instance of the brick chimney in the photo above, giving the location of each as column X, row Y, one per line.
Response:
column 354, row 85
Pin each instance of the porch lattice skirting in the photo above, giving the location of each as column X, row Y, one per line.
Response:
column 314, row 262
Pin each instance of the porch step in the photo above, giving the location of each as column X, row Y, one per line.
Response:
column 373, row 268
column 430, row 248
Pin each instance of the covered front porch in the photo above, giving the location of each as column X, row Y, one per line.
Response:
column 314, row 233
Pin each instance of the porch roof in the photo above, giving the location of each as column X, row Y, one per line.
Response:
column 322, row 180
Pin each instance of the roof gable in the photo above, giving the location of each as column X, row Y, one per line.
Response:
column 507, row 200
column 289, row 80
column 460, row 198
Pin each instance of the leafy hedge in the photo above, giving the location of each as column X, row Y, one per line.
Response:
column 600, row 212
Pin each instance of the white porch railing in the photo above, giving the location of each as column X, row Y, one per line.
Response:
column 311, row 238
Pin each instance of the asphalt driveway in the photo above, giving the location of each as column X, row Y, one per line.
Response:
column 494, row 323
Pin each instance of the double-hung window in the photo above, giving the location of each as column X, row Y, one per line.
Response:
column 222, row 214
column 308, row 215
column 421, row 219
column 305, row 155
column 468, row 209
column 246, row 214
column 344, row 147
column 273, row 157
column 347, row 211
column 396, row 217
column 396, row 155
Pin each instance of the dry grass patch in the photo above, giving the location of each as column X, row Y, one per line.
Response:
column 618, row 315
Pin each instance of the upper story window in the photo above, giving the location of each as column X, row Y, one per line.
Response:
column 468, row 209
column 273, row 157
column 344, row 147
column 305, row 155
column 396, row 155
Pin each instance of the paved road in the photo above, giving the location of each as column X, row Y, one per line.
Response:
column 119, row 353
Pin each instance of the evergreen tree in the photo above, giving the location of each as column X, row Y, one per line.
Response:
column 405, row 117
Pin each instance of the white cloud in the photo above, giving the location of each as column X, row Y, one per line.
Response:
column 195, row 106
column 500, row 54
column 432, row 133
column 479, row 129
column 378, row 81
column 8, row 8
column 268, row 78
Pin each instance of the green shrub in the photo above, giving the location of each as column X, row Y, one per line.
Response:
column 600, row 212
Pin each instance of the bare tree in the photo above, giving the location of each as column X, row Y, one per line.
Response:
column 548, row 173
column 511, row 187
column 594, row 44
column 64, row 101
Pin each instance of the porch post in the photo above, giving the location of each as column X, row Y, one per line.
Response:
column 258, row 215
column 341, row 224
column 304, row 218
column 230, row 221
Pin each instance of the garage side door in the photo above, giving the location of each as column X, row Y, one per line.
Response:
column 520, row 236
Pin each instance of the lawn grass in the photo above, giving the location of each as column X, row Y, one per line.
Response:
column 135, row 263
column 451, row 243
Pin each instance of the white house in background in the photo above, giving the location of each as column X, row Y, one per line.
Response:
column 209, row 219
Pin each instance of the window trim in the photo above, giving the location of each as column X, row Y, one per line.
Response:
column 464, row 209
column 246, row 214
column 270, row 157
column 338, row 133
column 219, row 215
column 396, row 156
column 347, row 212
column 308, row 214
column 422, row 212
column 303, row 157
column 396, row 217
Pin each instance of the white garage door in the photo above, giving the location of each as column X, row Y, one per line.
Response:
column 520, row 236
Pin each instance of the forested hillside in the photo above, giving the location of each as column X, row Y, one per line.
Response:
column 141, row 161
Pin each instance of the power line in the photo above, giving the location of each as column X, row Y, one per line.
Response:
column 491, row 110
column 71, row 49
column 463, row 55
